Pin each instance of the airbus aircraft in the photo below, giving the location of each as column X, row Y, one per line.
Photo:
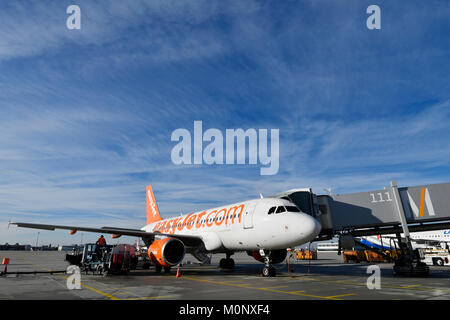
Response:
column 263, row 227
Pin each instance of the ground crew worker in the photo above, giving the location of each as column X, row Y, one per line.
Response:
column 101, row 241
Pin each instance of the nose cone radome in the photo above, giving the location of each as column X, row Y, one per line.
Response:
column 310, row 227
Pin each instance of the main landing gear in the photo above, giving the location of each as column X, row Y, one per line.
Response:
column 227, row 263
column 268, row 270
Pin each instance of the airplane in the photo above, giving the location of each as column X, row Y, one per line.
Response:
column 421, row 239
column 263, row 227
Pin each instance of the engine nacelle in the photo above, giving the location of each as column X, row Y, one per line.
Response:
column 166, row 252
column 276, row 256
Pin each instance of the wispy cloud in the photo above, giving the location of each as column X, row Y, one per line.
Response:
column 86, row 116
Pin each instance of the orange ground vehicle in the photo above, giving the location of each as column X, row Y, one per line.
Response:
column 354, row 255
column 372, row 256
column 306, row 255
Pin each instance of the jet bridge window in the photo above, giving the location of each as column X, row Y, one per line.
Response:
column 271, row 210
column 280, row 209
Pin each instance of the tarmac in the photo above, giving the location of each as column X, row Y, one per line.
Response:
column 327, row 278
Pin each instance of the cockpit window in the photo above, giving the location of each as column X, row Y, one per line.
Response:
column 280, row 209
column 292, row 209
column 272, row 210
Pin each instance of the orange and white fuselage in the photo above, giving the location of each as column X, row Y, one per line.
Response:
column 257, row 226
column 238, row 227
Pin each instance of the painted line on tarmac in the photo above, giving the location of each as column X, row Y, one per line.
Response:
column 147, row 298
column 264, row 289
column 416, row 287
column 82, row 284
column 342, row 295
column 274, row 287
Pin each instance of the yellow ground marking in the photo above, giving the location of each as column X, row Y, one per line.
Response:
column 413, row 285
column 123, row 292
column 274, row 287
column 297, row 291
column 82, row 284
column 147, row 298
column 342, row 295
column 416, row 287
column 266, row 289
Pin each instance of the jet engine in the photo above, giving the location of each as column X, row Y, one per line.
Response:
column 276, row 256
column 166, row 252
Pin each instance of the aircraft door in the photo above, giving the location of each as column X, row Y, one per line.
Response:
column 248, row 215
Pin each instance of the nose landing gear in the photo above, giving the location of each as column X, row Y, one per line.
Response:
column 268, row 270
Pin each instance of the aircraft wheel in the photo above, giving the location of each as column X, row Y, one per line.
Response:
column 226, row 263
column 158, row 268
column 166, row 269
column 269, row 272
column 100, row 269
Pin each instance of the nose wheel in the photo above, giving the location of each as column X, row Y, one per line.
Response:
column 268, row 270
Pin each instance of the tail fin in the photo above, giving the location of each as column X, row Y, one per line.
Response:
column 152, row 207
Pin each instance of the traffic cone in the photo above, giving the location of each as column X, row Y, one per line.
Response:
column 178, row 272
column 5, row 262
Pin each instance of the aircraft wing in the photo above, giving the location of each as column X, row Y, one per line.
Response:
column 108, row 230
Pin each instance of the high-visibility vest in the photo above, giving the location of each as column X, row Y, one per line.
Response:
column 101, row 241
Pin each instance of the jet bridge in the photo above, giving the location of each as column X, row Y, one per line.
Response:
column 391, row 210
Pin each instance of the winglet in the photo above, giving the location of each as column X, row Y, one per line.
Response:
column 152, row 207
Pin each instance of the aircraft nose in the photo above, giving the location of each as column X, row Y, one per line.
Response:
column 311, row 226
column 317, row 227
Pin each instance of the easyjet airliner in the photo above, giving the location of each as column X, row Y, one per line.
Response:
column 263, row 227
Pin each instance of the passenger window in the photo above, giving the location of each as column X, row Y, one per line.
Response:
column 272, row 210
column 280, row 209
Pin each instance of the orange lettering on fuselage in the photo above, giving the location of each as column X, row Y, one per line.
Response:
column 174, row 225
column 190, row 221
column 216, row 217
column 156, row 226
column 234, row 213
column 162, row 226
column 194, row 219
column 209, row 224
column 182, row 225
column 198, row 224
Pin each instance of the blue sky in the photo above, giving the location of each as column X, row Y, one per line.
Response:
column 86, row 115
